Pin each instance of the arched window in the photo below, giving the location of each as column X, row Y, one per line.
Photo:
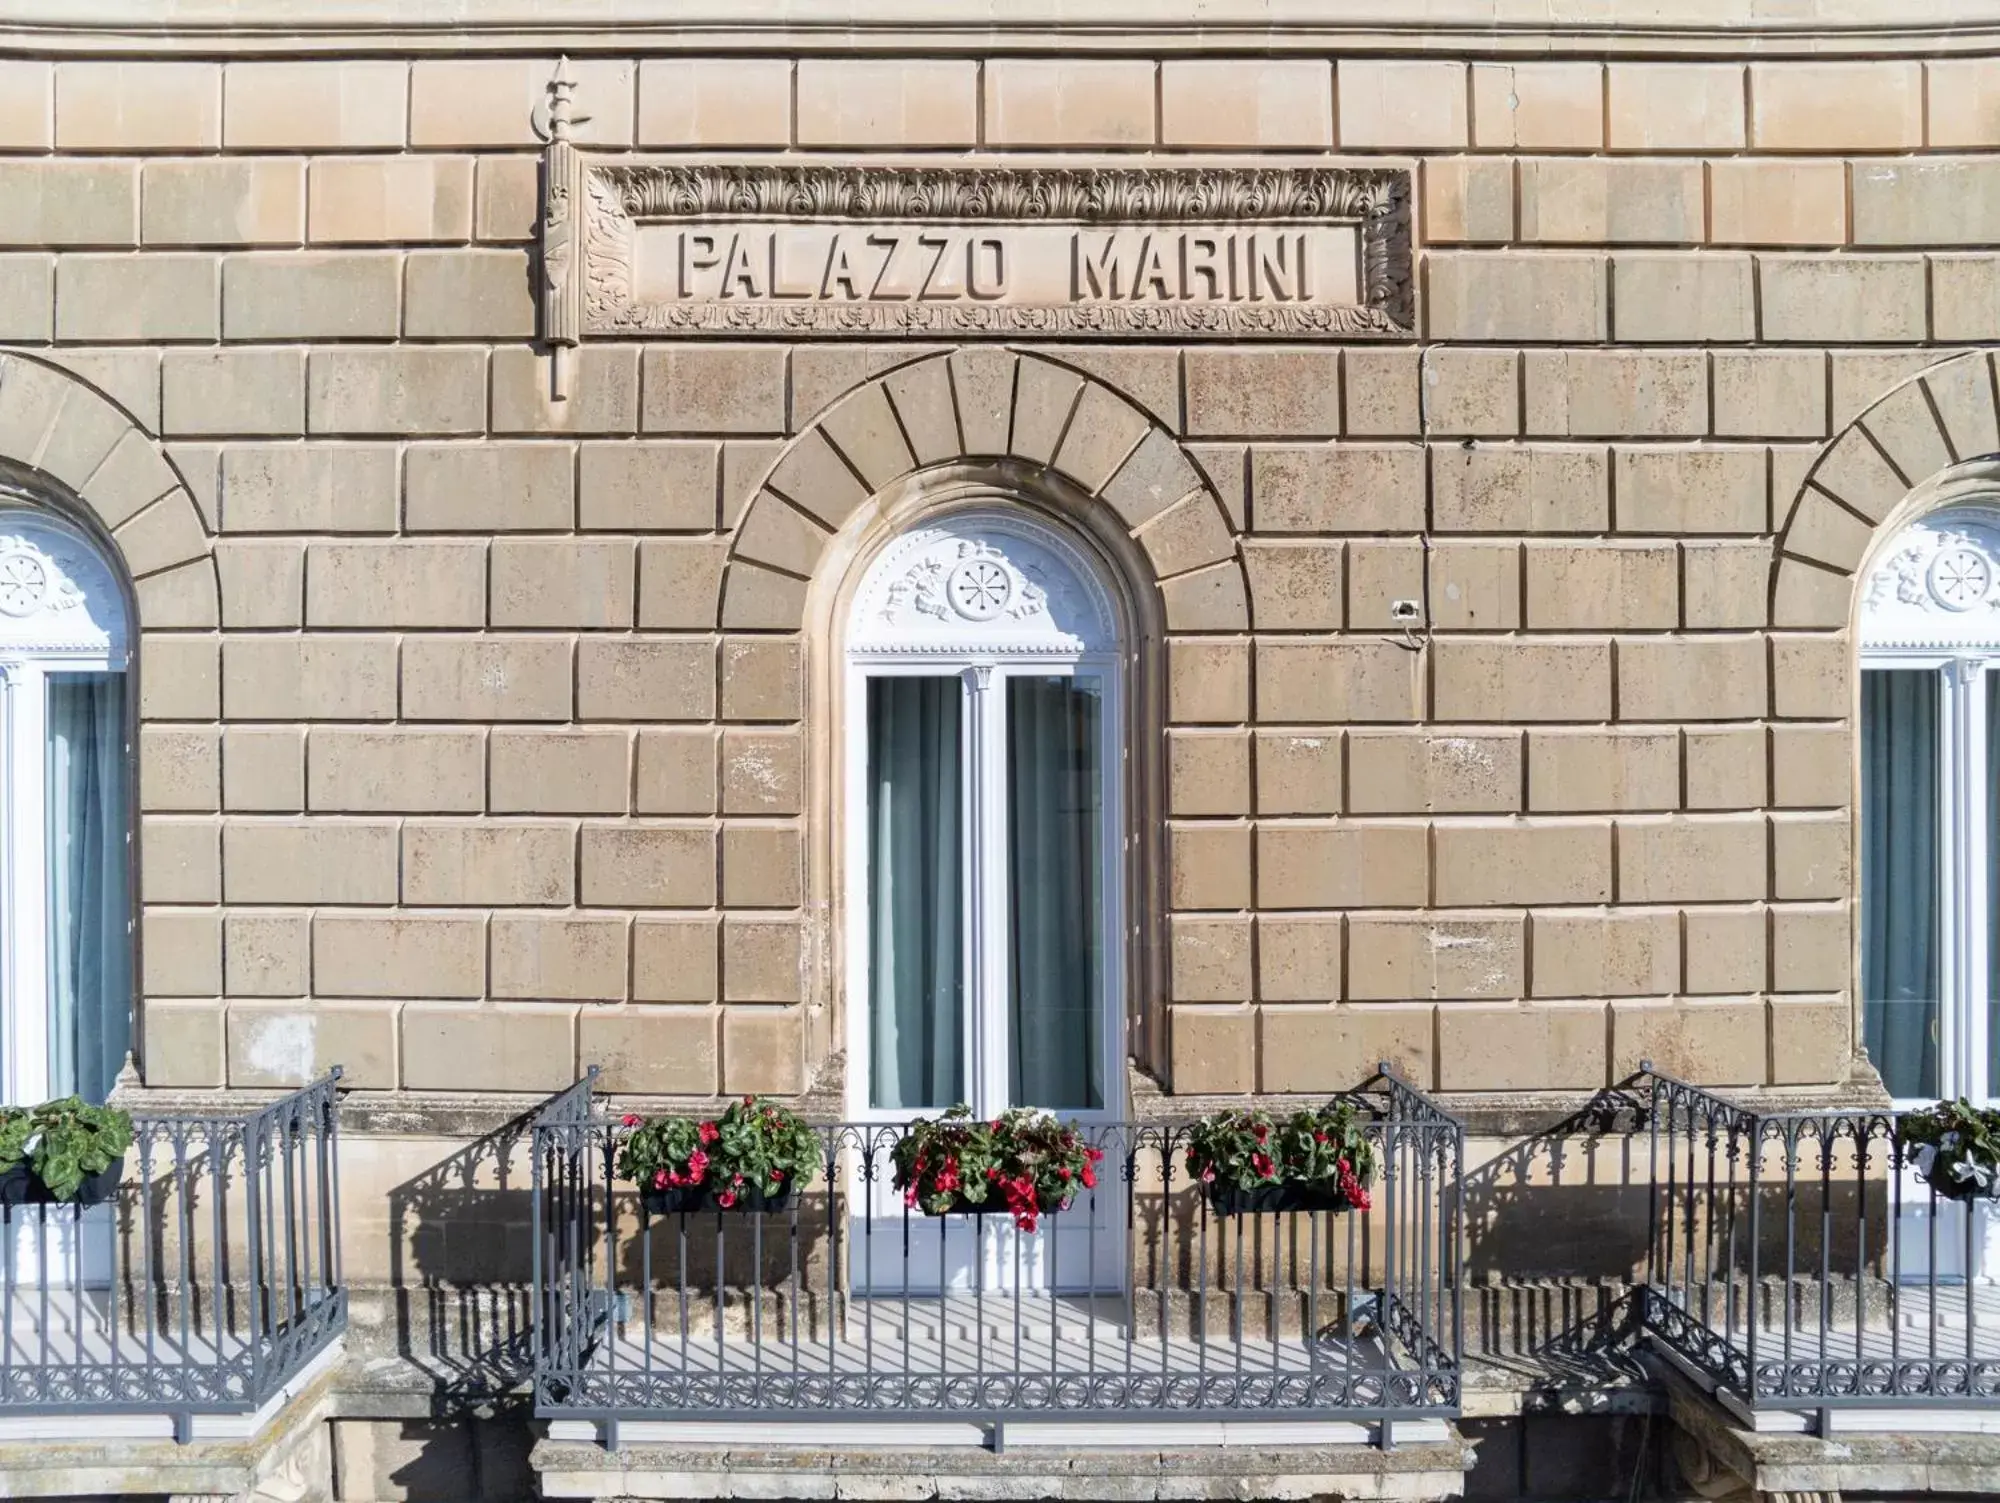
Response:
column 984, row 756
column 65, row 892
column 1930, row 799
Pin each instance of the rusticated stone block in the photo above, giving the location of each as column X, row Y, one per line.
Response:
column 1315, row 1049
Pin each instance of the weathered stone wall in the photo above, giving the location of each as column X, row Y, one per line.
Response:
column 463, row 780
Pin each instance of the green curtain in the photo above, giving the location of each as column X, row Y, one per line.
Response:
column 916, row 982
column 1054, row 802
column 90, row 970
column 1899, row 877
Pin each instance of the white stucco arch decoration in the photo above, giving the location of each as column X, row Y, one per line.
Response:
column 985, row 579
column 1937, row 582
column 57, row 592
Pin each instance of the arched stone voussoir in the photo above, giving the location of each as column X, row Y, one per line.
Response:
column 1907, row 432
column 133, row 476
column 923, row 398
column 1967, row 398
column 758, row 599
column 864, row 427
column 780, row 536
column 985, row 404
column 1191, row 534
column 1211, row 599
column 1810, row 596
column 1103, row 432
column 100, row 461
column 166, row 534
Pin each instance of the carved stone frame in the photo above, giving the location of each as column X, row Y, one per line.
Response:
column 594, row 202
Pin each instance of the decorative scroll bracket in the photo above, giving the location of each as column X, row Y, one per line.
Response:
column 633, row 248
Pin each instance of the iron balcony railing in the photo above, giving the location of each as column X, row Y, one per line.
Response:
column 203, row 1287
column 1797, row 1261
column 1137, row 1302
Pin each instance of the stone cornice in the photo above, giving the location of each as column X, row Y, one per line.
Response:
column 1470, row 27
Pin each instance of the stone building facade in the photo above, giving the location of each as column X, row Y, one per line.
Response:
column 1491, row 667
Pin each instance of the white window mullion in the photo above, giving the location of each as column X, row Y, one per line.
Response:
column 972, row 813
column 1973, row 945
column 988, row 908
column 27, row 826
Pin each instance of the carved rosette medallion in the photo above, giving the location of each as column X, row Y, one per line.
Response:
column 1938, row 585
column 982, row 579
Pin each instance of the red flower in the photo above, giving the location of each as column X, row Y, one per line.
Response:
column 660, row 1180
column 697, row 1166
column 726, row 1199
column 910, row 1196
column 1351, row 1187
column 1260, row 1132
column 632, row 1119
column 708, row 1132
column 749, row 1100
column 777, row 1176
column 1261, row 1163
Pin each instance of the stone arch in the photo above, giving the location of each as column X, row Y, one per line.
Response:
column 1940, row 417
column 62, row 438
column 985, row 404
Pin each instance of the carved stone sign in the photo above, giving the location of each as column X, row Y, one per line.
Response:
column 636, row 247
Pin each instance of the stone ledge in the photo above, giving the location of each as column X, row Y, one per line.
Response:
column 1407, row 1474
column 473, row 1114
column 1703, row 28
column 1898, row 1462
column 288, row 1453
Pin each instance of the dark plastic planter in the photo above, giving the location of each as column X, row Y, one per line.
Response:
column 1261, row 1200
column 1947, row 1188
column 679, row 1200
column 994, row 1205
column 21, row 1186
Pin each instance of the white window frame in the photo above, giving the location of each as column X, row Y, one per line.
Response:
column 1930, row 602
column 983, row 672
column 1965, row 680
column 85, row 633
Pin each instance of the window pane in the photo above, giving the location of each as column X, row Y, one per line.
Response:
column 90, row 977
column 915, row 893
column 1992, row 1084
column 1899, row 877
column 1054, row 804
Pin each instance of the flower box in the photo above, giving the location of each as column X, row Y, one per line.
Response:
column 756, row 1153
column 681, row 1200
column 994, row 1205
column 21, row 1186
column 1250, row 1163
column 65, row 1152
column 1031, row 1164
column 1955, row 1148
column 1263, row 1200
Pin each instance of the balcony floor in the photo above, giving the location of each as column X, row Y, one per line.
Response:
column 964, row 1356
column 962, row 1335
column 67, row 1327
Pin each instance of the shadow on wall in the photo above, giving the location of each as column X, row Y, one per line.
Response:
column 462, row 1312
column 1556, row 1231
